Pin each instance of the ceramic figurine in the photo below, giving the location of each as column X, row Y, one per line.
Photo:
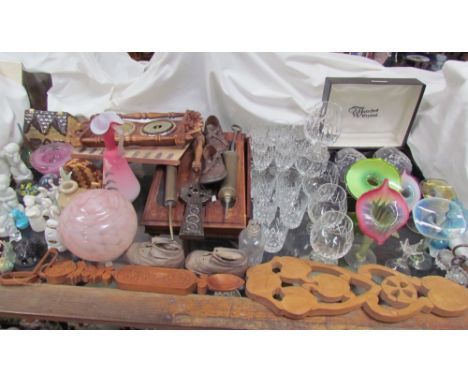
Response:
column 8, row 202
column 52, row 235
column 19, row 171
column 67, row 191
column 34, row 213
column 117, row 174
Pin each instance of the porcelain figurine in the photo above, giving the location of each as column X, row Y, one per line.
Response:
column 34, row 213
column 19, row 171
column 8, row 202
column 51, row 234
column 117, row 174
column 67, row 191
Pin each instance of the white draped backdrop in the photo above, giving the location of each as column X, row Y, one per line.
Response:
column 238, row 87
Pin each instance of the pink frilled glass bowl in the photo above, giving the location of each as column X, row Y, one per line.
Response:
column 48, row 159
column 98, row 225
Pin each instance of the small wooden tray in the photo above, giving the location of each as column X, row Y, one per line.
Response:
column 154, row 279
column 155, row 215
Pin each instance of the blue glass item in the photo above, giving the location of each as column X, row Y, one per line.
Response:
column 439, row 219
column 21, row 221
column 47, row 179
column 439, row 244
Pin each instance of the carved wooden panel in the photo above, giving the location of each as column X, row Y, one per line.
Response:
column 298, row 288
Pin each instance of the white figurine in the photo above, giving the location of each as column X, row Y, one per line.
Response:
column 8, row 202
column 34, row 213
column 51, row 233
column 19, row 171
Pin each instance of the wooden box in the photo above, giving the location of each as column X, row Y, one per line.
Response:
column 155, row 215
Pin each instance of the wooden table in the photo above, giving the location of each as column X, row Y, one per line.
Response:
column 151, row 310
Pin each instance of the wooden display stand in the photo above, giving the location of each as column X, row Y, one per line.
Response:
column 155, row 215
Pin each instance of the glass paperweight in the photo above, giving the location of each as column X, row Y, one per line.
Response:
column 367, row 174
column 439, row 219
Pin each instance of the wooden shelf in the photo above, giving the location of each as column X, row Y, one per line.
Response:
column 151, row 310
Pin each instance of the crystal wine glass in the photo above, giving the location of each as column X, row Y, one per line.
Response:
column 294, row 212
column 331, row 236
column 328, row 197
column 288, row 186
column 323, row 123
column 327, row 173
column 275, row 234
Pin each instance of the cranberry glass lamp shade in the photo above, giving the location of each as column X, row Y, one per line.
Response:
column 98, row 225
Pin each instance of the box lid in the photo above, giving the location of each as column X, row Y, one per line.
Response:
column 377, row 112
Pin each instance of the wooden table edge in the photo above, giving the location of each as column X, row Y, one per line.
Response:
column 152, row 310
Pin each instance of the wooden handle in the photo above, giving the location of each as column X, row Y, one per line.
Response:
column 151, row 115
column 199, row 143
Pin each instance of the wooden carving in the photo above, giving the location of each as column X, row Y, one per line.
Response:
column 71, row 273
column 154, row 279
column 84, row 172
column 219, row 282
column 151, row 129
column 297, row 288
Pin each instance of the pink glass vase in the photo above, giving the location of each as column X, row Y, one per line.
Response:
column 117, row 174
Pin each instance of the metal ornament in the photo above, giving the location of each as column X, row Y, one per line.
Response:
column 194, row 197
